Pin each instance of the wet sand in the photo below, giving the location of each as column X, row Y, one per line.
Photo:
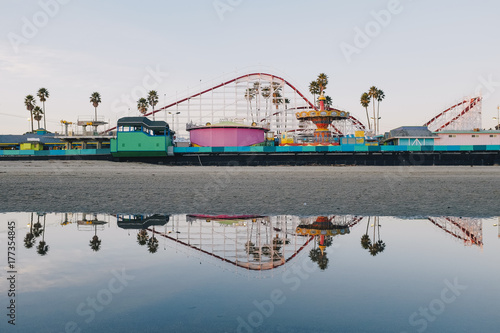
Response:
column 111, row 187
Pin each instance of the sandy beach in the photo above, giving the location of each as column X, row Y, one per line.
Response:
column 111, row 187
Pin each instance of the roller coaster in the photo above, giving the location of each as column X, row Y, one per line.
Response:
column 257, row 97
column 270, row 99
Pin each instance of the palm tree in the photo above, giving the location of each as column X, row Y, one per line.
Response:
column 314, row 89
column 373, row 93
column 256, row 94
column 37, row 114
column 365, row 101
column 328, row 102
column 277, row 98
column 142, row 105
column 29, row 102
column 266, row 93
column 153, row 100
column 380, row 97
column 43, row 94
column 249, row 95
column 322, row 82
column 95, row 99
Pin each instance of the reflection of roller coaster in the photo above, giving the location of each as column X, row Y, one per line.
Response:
column 468, row 230
column 251, row 242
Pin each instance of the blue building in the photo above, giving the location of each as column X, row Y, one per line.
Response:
column 409, row 136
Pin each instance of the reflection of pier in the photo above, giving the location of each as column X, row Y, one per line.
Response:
column 253, row 243
column 94, row 223
column 469, row 230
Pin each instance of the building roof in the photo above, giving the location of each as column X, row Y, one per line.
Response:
column 411, row 132
column 468, row 132
column 158, row 125
column 29, row 137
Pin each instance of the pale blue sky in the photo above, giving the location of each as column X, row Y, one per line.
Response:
column 430, row 55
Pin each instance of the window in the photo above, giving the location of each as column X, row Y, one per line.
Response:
column 493, row 135
column 452, row 136
column 475, row 135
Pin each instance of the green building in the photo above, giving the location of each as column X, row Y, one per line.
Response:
column 139, row 136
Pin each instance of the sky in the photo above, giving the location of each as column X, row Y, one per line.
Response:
column 425, row 55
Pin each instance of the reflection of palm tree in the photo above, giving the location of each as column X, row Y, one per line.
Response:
column 153, row 244
column 37, row 228
column 29, row 239
column 365, row 242
column 95, row 242
column 374, row 247
column 318, row 257
column 142, row 237
column 42, row 247
column 266, row 250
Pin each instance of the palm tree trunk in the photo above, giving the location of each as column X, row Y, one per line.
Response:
column 378, row 113
column 44, row 121
column 153, row 112
column 374, row 118
column 368, row 118
column 32, row 129
column 95, row 114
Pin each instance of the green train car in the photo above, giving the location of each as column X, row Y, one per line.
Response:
column 139, row 136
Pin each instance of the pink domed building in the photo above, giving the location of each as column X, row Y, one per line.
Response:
column 226, row 134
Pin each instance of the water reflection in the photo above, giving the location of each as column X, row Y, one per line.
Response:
column 84, row 223
column 252, row 242
column 35, row 231
column 69, row 258
column 142, row 223
column 374, row 245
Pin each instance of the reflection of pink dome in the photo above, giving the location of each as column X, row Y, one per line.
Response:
column 226, row 134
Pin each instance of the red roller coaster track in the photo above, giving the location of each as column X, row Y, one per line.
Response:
column 471, row 103
column 271, row 78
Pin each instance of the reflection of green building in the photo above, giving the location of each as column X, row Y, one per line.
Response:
column 141, row 221
column 139, row 136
